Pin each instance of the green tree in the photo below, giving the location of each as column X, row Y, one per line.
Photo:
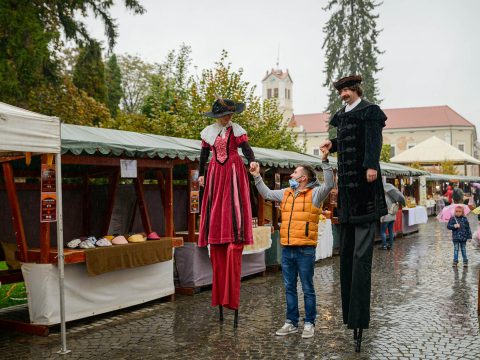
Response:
column 31, row 35
column 416, row 165
column 351, row 47
column 169, row 85
column 67, row 17
column 70, row 104
column 385, row 153
column 113, row 80
column 26, row 61
column 448, row 167
column 136, row 82
column 89, row 72
column 261, row 120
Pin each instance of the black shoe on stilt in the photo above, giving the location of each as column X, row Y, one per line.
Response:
column 359, row 341
column 220, row 310
column 355, row 334
column 235, row 321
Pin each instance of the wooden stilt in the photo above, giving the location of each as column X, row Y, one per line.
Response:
column 235, row 320
column 15, row 209
column 358, row 345
column 114, row 181
column 142, row 206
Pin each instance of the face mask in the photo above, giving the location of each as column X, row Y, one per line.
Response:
column 294, row 183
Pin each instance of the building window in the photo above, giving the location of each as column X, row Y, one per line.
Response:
column 448, row 138
column 288, row 94
column 461, row 146
column 410, row 145
column 269, row 93
column 275, row 93
column 393, row 150
column 316, row 152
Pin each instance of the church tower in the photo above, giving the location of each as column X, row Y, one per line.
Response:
column 278, row 84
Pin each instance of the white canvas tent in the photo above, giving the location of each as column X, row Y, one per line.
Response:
column 24, row 131
column 433, row 151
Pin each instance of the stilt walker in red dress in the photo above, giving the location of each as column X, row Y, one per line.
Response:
column 226, row 214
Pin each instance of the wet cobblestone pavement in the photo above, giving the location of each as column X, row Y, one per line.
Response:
column 421, row 309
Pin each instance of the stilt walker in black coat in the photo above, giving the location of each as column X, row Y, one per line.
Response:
column 361, row 199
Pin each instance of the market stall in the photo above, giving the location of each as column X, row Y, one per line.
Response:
column 92, row 160
column 23, row 134
column 432, row 152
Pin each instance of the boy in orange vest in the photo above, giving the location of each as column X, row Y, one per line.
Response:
column 301, row 209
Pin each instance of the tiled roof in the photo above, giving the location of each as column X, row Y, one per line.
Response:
column 277, row 73
column 403, row 118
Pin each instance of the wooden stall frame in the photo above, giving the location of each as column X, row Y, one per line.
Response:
column 47, row 255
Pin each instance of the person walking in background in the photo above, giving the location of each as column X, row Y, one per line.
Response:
column 460, row 234
column 448, row 195
column 394, row 199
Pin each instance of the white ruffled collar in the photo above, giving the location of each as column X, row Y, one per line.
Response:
column 210, row 133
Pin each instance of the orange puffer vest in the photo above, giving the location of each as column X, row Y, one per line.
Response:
column 299, row 219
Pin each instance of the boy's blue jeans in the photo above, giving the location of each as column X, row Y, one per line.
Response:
column 462, row 246
column 383, row 228
column 299, row 261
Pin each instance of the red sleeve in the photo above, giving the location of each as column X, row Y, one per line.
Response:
column 241, row 139
column 205, row 144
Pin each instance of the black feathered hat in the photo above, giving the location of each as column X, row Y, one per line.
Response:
column 222, row 107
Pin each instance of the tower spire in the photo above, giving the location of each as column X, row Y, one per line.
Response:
column 278, row 57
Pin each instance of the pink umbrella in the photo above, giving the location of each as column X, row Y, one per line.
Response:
column 449, row 211
column 476, row 185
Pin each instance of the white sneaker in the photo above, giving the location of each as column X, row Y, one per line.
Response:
column 286, row 329
column 308, row 330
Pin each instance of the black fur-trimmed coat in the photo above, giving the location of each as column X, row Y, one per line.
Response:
column 358, row 144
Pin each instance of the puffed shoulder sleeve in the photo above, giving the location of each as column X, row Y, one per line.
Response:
column 241, row 139
column 374, row 123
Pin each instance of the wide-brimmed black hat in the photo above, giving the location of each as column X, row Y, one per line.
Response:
column 347, row 81
column 222, row 107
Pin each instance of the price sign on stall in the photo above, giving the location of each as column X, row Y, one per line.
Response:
column 48, row 195
column 194, row 192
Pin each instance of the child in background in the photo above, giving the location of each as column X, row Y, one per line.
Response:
column 460, row 234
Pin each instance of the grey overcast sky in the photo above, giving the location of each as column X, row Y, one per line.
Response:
column 432, row 47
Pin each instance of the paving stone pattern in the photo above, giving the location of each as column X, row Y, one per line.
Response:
column 421, row 309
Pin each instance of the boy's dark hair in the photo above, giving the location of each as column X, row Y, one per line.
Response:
column 309, row 172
